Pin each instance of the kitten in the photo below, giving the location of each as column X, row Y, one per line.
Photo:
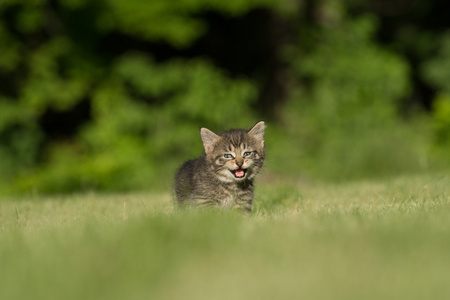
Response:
column 224, row 175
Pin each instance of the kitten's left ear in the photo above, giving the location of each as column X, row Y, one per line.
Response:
column 209, row 138
column 258, row 131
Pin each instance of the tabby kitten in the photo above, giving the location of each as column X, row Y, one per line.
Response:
column 224, row 175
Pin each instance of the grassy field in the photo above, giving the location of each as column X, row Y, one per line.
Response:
column 385, row 239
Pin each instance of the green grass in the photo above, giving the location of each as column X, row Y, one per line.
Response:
column 386, row 239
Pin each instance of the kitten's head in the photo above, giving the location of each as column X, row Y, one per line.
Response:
column 236, row 154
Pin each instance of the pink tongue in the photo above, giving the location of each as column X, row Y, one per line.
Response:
column 239, row 173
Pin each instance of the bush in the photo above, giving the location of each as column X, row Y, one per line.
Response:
column 345, row 123
column 142, row 111
column 143, row 116
column 145, row 123
column 437, row 72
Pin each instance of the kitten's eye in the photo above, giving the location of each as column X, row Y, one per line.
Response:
column 247, row 154
column 228, row 156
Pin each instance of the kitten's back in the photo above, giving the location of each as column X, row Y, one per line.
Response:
column 184, row 180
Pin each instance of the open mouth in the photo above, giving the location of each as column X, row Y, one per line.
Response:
column 239, row 173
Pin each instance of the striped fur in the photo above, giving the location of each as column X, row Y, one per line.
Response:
column 224, row 175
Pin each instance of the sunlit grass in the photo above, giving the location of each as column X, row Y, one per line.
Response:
column 386, row 239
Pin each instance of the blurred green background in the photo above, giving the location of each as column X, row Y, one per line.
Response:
column 110, row 94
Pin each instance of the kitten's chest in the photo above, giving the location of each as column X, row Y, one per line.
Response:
column 229, row 196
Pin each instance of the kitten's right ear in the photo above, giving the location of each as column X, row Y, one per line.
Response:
column 209, row 138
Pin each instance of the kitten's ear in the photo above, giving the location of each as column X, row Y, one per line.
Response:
column 258, row 131
column 209, row 138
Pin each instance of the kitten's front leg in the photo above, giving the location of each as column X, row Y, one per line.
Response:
column 244, row 203
column 205, row 202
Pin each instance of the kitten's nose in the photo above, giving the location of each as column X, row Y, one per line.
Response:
column 239, row 161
